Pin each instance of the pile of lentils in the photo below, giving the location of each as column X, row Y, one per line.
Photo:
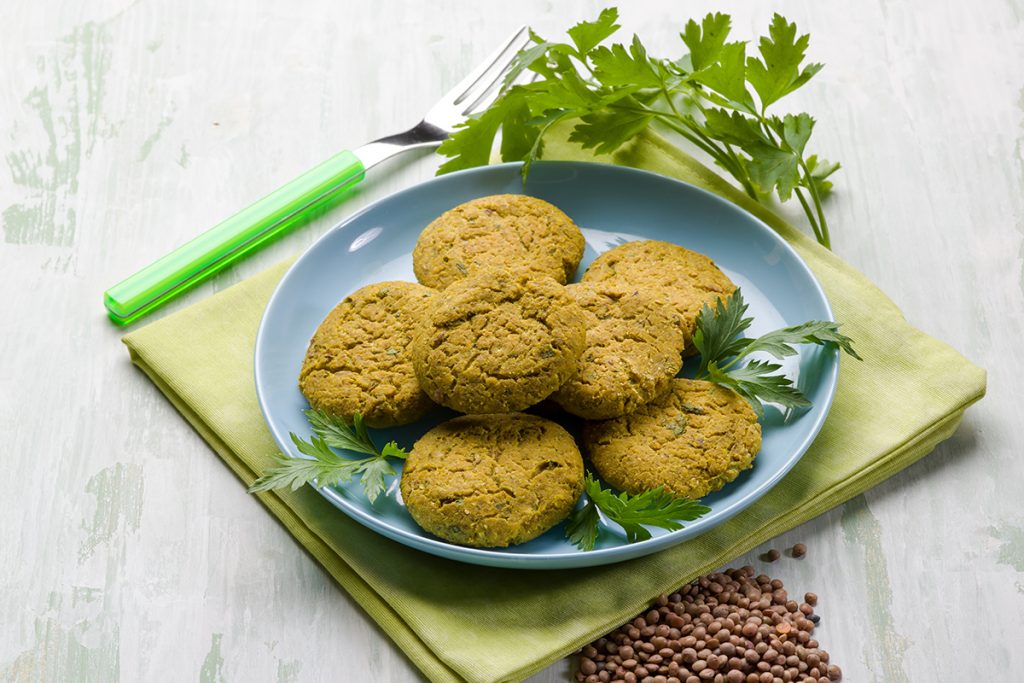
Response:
column 729, row 627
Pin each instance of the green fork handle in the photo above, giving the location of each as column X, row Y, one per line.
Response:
column 226, row 242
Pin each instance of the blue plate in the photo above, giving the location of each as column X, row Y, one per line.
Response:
column 614, row 205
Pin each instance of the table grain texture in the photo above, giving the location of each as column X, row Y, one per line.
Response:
column 128, row 551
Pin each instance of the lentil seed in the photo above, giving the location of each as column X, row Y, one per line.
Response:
column 726, row 627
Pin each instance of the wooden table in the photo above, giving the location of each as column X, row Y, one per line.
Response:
column 129, row 550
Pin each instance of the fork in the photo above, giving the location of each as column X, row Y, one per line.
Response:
column 318, row 188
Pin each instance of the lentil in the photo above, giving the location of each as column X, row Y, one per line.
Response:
column 727, row 627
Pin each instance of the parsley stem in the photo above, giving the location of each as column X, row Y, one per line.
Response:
column 668, row 98
column 810, row 215
column 819, row 225
column 725, row 158
column 751, row 192
column 708, row 147
column 823, row 236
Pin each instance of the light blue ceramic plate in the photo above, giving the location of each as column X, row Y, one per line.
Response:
column 614, row 205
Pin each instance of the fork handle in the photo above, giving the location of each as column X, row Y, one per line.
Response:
column 230, row 240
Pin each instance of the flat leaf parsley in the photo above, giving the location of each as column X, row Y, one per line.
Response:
column 715, row 96
column 656, row 507
column 323, row 467
column 722, row 347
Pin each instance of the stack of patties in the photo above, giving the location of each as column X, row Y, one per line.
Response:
column 492, row 330
column 694, row 436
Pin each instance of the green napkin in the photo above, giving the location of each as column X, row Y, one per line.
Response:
column 459, row 622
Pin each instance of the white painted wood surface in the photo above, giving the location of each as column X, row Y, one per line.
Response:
column 130, row 552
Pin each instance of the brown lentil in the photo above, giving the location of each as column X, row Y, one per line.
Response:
column 799, row 550
column 727, row 627
column 770, row 556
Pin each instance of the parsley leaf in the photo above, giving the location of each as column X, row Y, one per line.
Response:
column 706, row 40
column 337, row 434
column 819, row 170
column 733, row 128
column 727, row 77
column 608, row 129
column 294, row 473
column 634, row 514
column 373, row 473
column 778, row 72
column 325, row 467
column 582, row 525
column 718, row 330
column 619, row 66
column 757, row 382
column 470, row 144
column 774, row 169
column 519, row 135
column 589, row 34
column 715, row 96
column 779, row 343
column 796, row 130
column 721, row 345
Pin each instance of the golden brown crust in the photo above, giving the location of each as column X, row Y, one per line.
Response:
column 689, row 279
column 359, row 359
column 492, row 480
column 498, row 342
column 693, row 441
column 634, row 349
column 498, row 232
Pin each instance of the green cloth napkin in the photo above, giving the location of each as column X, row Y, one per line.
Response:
column 459, row 622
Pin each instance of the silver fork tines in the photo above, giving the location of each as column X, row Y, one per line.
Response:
column 479, row 88
column 500, row 59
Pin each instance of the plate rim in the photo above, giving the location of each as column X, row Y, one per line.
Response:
column 561, row 560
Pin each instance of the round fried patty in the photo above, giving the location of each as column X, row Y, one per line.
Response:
column 634, row 349
column 498, row 342
column 504, row 231
column 689, row 279
column 692, row 441
column 359, row 360
column 492, row 480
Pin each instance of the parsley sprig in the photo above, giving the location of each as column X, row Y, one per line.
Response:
column 634, row 514
column 323, row 467
column 715, row 95
column 722, row 346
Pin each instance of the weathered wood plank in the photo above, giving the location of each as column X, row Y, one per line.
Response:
column 125, row 128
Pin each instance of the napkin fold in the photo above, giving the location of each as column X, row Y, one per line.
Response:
column 458, row 622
